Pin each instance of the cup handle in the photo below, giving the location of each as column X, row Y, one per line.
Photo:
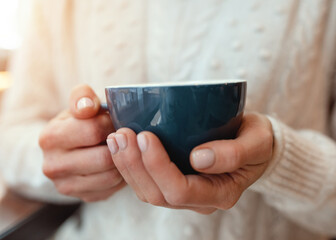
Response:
column 104, row 107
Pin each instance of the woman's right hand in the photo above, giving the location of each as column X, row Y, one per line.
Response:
column 76, row 157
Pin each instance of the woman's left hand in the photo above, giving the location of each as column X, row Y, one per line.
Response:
column 228, row 167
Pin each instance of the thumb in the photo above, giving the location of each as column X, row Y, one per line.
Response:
column 84, row 103
column 218, row 157
column 253, row 147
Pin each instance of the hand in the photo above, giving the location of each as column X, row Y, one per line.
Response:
column 227, row 167
column 75, row 156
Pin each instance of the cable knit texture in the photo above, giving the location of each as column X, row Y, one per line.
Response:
column 285, row 49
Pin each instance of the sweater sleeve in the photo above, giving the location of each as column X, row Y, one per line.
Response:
column 26, row 108
column 300, row 181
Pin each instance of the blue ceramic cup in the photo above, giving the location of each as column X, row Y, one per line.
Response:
column 182, row 115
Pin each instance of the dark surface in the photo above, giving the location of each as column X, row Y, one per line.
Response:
column 181, row 116
column 40, row 224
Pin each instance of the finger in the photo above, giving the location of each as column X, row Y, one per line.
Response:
column 83, row 161
column 137, row 176
column 202, row 210
column 253, row 146
column 101, row 196
column 161, row 169
column 113, row 146
column 69, row 133
column 191, row 191
column 84, row 103
column 76, row 185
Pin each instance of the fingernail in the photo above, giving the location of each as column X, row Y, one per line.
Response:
column 203, row 158
column 84, row 102
column 142, row 142
column 121, row 141
column 112, row 145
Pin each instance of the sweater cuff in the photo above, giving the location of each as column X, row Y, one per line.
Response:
column 298, row 169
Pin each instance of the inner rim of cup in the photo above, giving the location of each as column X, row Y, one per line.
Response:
column 182, row 83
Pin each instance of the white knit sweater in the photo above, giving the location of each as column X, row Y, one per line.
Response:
column 286, row 51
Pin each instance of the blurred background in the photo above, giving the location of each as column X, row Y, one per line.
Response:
column 21, row 218
column 10, row 11
column 9, row 42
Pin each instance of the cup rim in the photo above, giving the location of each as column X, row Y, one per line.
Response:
column 182, row 83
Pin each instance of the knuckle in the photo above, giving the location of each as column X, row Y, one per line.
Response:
column 90, row 131
column 46, row 139
column 50, row 170
column 43, row 140
column 93, row 132
column 206, row 211
column 177, row 198
column 106, row 159
column 65, row 188
column 157, row 200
